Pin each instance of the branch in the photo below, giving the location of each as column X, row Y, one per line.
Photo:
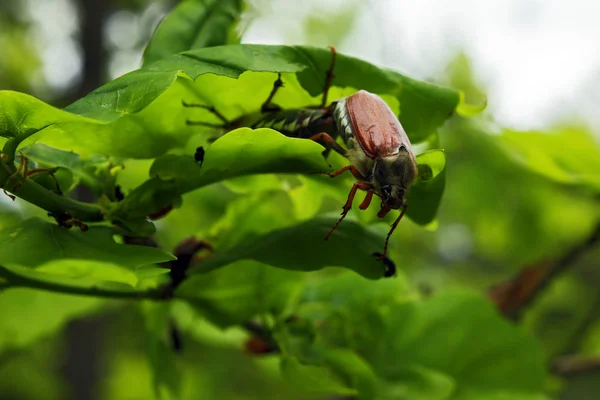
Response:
column 36, row 194
column 575, row 365
column 514, row 295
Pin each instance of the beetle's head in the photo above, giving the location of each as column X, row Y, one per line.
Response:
column 392, row 177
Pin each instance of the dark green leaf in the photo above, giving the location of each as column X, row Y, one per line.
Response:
column 302, row 248
column 420, row 349
column 34, row 242
column 445, row 333
column 193, row 24
column 238, row 292
column 165, row 371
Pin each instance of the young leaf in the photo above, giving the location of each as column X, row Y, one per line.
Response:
column 569, row 155
column 34, row 242
column 194, row 24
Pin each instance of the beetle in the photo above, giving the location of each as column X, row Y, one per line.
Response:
column 379, row 150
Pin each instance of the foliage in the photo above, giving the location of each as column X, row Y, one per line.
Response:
column 320, row 313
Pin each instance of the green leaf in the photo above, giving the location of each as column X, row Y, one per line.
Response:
column 27, row 315
column 568, row 155
column 193, row 24
column 302, row 248
column 94, row 172
column 244, row 152
column 92, row 271
column 74, row 274
column 166, row 373
column 34, row 242
column 23, row 116
column 241, row 152
column 253, row 215
column 147, row 103
column 240, row 291
column 465, row 109
column 420, row 383
column 313, row 378
column 444, row 334
column 426, row 194
column 419, row 349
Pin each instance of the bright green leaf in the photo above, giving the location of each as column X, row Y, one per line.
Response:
column 569, row 155
column 193, row 24
column 34, row 242
column 241, row 152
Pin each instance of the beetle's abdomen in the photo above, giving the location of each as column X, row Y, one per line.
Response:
column 299, row 123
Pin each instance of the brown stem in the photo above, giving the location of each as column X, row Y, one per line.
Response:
column 531, row 282
column 575, row 365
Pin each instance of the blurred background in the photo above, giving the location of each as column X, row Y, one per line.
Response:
column 536, row 62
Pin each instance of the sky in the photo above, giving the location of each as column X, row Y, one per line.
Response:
column 537, row 60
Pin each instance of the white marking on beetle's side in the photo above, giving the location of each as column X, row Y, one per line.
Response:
column 290, row 127
column 277, row 125
column 348, row 130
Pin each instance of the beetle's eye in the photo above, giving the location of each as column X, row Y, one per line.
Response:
column 386, row 189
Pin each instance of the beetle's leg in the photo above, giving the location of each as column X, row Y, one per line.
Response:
column 348, row 205
column 355, row 172
column 212, row 110
column 23, row 164
column 10, row 196
column 394, row 225
column 367, row 201
column 267, row 106
column 49, row 171
column 328, row 142
column 329, row 77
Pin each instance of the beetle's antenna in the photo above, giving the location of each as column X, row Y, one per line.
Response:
column 329, row 77
column 394, row 225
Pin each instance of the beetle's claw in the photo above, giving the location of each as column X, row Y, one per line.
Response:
column 390, row 267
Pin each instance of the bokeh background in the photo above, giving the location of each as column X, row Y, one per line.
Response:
column 537, row 64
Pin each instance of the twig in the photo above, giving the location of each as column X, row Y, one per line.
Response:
column 575, row 365
column 531, row 282
column 48, row 200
